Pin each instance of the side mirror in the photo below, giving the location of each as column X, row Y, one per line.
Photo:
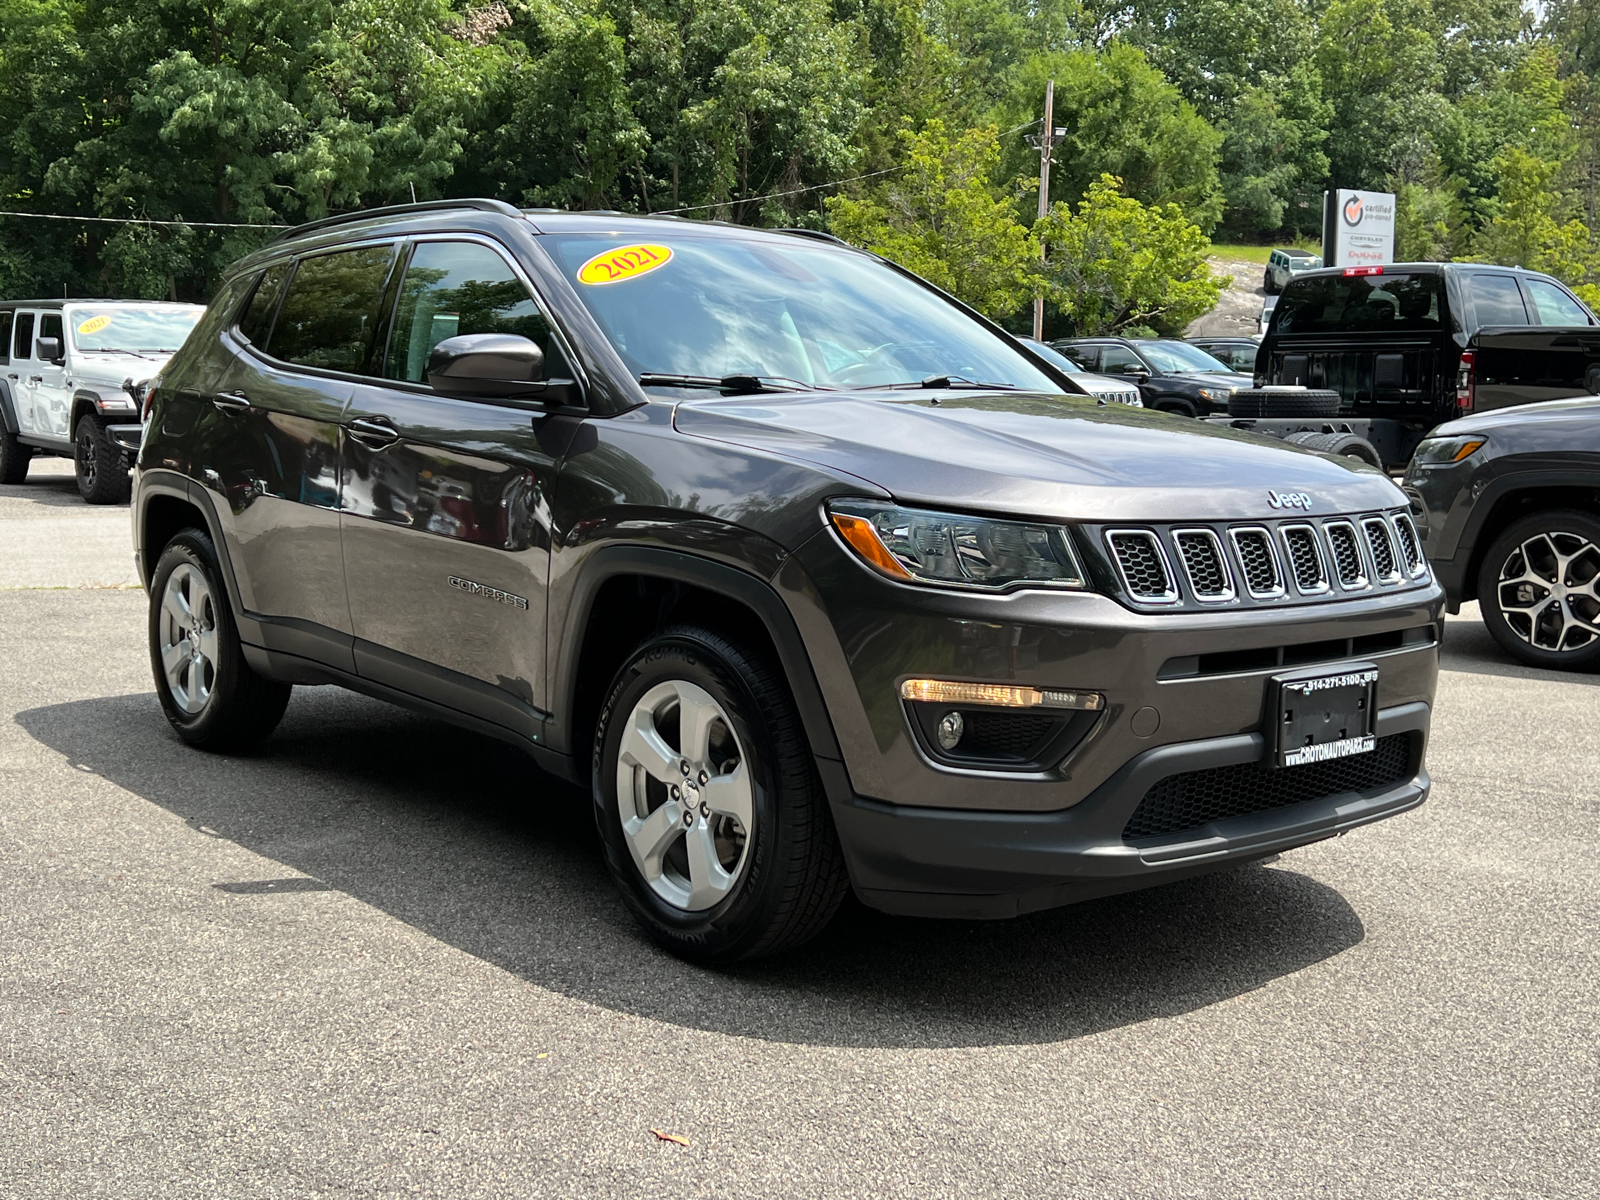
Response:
column 1136, row 371
column 504, row 367
column 49, row 350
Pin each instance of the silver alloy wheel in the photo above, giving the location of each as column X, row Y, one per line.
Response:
column 684, row 795
column 189, row 638
column 1547, row 591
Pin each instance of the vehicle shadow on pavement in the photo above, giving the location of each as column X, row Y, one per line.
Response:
column 463, row 838
column 1468, row 647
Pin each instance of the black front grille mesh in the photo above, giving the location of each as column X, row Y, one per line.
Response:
column 1260, row 564
column 1305, row 558
column 1185, row 802
column 1382, row 548
column 1141, row 564
column 1015, row 734
column 1201, row 559
column 1410, row 549
column 1346, row 554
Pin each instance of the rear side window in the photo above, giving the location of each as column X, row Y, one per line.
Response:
column 256, row 321
column 455, row 288
column 331, row 309
column 1496, row 300
column 1338, row 303
column 1555, row 307
column 5, row 335
column 22, row 343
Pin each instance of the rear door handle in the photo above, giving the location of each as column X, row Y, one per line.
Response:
column 231, row 402
column 375, row 432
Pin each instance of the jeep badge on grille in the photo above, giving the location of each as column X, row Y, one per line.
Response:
column 1289, row 500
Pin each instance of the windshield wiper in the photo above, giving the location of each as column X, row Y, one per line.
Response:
column 939, row 381
column 123, row 350
column 738, row 385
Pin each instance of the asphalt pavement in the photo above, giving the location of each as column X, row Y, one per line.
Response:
column 382, row 958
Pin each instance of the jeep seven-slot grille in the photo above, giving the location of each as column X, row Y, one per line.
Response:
column 1180, row 803
column 1305, row 558
column 1292, row 561
column 1143, row 566
column 1202, row 559
column 1259, row 562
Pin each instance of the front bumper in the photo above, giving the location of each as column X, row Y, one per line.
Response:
column 965, row 864
column 125, row 436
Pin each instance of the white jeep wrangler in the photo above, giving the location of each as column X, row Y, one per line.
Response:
column 72, row 376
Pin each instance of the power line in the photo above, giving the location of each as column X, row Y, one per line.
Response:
column 143, row 221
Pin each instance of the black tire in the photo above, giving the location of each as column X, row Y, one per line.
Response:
column 1257, row 402
column 1267, row 285
column 1178, row 408
column 1519, row 635
column 100, row 466
column 789, row 877
column 1346, row 445
column 241, row 708
column 14, row 458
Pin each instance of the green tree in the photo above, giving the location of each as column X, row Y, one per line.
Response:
column 943, row 219
column 1528, row 228
column 1115, row 263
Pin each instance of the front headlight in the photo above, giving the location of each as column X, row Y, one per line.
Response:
column 1216, row 395
column 955, row 549
column 1442, row 452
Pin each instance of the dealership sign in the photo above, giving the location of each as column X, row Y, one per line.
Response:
column 1357, row 228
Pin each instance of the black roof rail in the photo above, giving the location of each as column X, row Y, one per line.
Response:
column 818, row 234
column 391, row 210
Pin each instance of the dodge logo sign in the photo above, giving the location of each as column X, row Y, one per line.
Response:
column 1289, row 500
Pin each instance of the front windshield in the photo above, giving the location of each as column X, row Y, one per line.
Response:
column 137, row 330
column 1174, row 358
column 813, row 315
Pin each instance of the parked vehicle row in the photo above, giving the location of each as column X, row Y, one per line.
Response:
column 817, row 580
column 74, row 376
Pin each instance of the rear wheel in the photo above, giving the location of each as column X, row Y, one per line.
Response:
column 713, row 821
column 102, row 473
column 1539, row 590
column 210, row 694
column 1346, row 445
column 14, row 458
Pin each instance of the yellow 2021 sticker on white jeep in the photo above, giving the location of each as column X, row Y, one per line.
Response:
column 625, row 262
column 94, row 324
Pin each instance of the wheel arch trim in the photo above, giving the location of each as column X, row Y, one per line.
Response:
column 173, row 485
column 1501, row 496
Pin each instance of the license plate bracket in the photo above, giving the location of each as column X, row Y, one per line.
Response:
column 1323, row 714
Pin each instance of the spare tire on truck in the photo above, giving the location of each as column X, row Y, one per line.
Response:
column 1346, row 444
column 1285, row 402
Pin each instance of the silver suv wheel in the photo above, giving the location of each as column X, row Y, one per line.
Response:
column 188, row 642
column 684, row 795
column 1547, row 591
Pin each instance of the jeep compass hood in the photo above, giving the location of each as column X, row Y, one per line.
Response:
column 1039, row 455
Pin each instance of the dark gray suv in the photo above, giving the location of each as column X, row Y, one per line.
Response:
column 819, row 579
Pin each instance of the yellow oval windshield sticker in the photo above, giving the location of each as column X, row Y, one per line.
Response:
column 94, row 325
column 625, row 262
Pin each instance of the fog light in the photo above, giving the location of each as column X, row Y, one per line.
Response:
column 951, row 728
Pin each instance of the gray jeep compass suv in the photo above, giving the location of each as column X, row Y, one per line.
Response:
column 816, row 577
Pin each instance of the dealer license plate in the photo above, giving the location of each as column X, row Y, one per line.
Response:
column 1325, row 714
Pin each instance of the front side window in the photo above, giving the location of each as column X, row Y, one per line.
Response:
column 50, row 327
column 1554, row 305
column 1119, row 360
column 1496, row 300
column 331, row 309
column 453, row 288
column 22, row 345
column 1401, row 302
column 113, row 330
column 711, row 306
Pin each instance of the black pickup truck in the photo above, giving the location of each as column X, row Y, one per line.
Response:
column 1410, row 345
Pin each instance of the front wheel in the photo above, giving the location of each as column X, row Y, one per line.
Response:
column 102, row 474
column 210, row 694
column 710, row 812
column 1539, row 590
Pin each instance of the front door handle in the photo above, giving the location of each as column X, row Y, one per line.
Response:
column 35, row 378
column 231, row 402
column 375, row 432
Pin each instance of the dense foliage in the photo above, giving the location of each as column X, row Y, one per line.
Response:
column 1233, row 115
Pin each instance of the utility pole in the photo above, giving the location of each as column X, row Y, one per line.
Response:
column 1049, row 135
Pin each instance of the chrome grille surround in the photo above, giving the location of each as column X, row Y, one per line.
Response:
column 1307, row 564
column 1380, row 544
column 1258, row 561
column 1142, row 565
column 1348, row 561
column 1205, row 564
column 1410, row 543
